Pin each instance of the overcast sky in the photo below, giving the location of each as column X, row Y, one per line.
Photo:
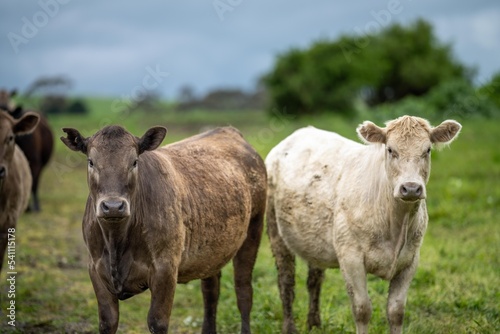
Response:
column 110, row 48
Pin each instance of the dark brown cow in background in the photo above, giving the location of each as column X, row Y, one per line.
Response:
column 37, row 146
column 158, row 217
column 15, row 177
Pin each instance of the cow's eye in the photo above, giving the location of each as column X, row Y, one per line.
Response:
column 429, row 150
column 392, row 153
column 134, row 164
column 91, row 163
column 10, row 139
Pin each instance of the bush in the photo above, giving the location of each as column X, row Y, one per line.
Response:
column 453, row 99
column 57, row 104
column 77, row 107
column 492, row 90
column 459, row 99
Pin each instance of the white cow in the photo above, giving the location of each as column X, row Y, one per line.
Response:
column 361, row 208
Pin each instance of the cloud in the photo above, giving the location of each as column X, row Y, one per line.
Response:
column 105, row 46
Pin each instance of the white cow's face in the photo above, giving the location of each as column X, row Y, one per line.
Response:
column 408, row 141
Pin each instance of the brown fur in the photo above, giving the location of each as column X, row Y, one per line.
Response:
column 15, row 178
column 194, row 205
column 37, row 146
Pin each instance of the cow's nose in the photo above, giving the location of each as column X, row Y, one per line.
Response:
column 411, row 191
column 114, row 208
column 3, row 172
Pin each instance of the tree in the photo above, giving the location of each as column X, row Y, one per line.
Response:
column 383, row 67
column 414, row 62
column 491, row 89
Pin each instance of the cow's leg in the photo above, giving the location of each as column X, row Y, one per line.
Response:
column 3, row 245
column 315, row 278
column 107, row 305
column 285, row 263
column 398, row 289
column 162, row 286
column 354, row 273
column 210, row 288
column 243, row 264
column 35, row 172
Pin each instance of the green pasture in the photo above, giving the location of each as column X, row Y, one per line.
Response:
column 456, row 288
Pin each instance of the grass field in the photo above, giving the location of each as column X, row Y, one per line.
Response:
column 456, row 288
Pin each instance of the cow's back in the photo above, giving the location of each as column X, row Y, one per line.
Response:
column 220, row 183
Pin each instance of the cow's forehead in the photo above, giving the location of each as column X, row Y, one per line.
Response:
column 408, row 131
column 113, row 139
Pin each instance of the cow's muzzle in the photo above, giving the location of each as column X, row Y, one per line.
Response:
column 411, row 191
column 113, row 208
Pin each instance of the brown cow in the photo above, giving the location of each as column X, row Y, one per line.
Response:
column 157, row 217
column 37, row 146
column 15, row 177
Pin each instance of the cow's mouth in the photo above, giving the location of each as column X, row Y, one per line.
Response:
column 113, row 219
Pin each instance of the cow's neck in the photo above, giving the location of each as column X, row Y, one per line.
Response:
column 401, row 220
column 115, row 237
column 116, row 241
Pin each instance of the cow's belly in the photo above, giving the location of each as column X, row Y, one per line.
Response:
column 309, row 235
column 206, row 254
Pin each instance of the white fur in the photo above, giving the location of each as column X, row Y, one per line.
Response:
column 335, row 206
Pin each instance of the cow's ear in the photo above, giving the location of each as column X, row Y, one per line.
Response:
column 445, row 133
column 151, row 139
column 26, row 124
column 368, row 132
column 74, row 140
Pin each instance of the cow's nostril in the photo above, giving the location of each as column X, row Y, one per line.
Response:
column 104, row 207
column 121, row 208
column 404, row 190
column 418, row 192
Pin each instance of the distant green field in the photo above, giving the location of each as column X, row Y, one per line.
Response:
column 456, row 288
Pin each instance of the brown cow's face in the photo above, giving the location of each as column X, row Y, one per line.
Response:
column 112, row 175
column 113, row 166
column 9, row 129
column 408, row 142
